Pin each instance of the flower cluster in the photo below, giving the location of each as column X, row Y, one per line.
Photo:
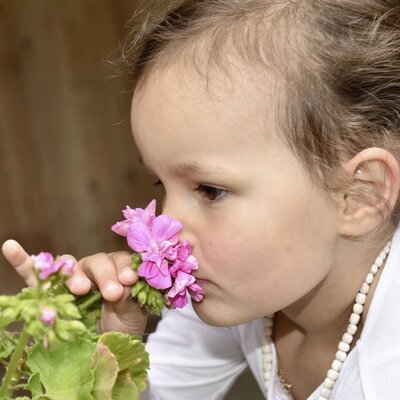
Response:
column 166, row 263
column 45, row 265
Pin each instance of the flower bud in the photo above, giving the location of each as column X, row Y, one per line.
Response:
column 136, row 261
column 62, row 331
column 69, row 311
column 142, row 297
column 48, row 315
column 76, row 326
column 137, row 287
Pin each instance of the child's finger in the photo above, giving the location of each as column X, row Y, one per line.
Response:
column 100, row 269
column 123, row 261
column 20, row 260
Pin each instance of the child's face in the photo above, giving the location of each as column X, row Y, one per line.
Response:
column 263, row 234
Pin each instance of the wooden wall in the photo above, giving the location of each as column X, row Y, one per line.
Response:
column 68, row 164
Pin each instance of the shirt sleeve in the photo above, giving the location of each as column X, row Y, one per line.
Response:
column 191, row 360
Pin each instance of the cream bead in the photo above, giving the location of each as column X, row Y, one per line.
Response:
column 364, row 288
column 325, row 393
column 268, row 322
column 369, row 278
column 354, row 318
column 358, row 308
column 341, row 356
column 268, row 331
column 347, row 338
column 351, row 329
column 266, row 348
column 360, row 298
column 268, row 357
column 332, row 374
column 344, row 346
column 374, row 269
column 379, row 261
column 328, row 383
column 336, row 365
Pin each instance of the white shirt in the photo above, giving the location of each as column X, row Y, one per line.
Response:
column 191, row 360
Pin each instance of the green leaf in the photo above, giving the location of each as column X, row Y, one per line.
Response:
column 125, row 388
column 139, row 372
column 105, row 366
column 65, row 369
column 34, row 385
column 127, row 349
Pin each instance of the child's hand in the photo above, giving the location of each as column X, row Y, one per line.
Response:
column 111, row 273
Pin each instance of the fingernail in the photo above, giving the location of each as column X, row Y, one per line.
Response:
column 77, row 283
column 127, row 273
column 112, row 287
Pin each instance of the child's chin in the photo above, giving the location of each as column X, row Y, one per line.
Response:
column 211, row 315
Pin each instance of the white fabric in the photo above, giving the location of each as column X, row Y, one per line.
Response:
column 190, row 360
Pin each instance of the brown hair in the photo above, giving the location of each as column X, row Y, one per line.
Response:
column 340, row 60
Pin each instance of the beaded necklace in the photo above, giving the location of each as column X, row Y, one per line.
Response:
column 344, row 344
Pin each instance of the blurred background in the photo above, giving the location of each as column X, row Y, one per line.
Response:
column 68, row 164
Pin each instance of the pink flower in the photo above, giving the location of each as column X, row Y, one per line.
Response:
column 44, row 262
column 48, row 315
column 157, row 276
column 163, row 233
column 134, row 215
column 196, row 292
column 184, row 250
column 189, row 265
column 153, row 242
column 166, row 262
column 47, row 266
column 178, row 293
column 66, row 265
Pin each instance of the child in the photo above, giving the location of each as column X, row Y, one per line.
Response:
column 273, row 127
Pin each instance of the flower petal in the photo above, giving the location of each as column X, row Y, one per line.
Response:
column 156, row 277
column 196, row 292
column 179, row 301
column 139, row 237
column 121, row 227
column 166, row 229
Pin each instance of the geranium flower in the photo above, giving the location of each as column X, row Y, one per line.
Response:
column 132, row 215
column 153, row 242
column 48, row 315
column 46, row 265
column 178, row 294
column 157, row 276
column 165, row 262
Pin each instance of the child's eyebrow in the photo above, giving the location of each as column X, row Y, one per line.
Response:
column 206, row 171
column 187, row 168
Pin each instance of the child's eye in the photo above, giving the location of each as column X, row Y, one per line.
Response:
column 211, row 193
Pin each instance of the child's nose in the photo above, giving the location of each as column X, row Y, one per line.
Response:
column 176, row 211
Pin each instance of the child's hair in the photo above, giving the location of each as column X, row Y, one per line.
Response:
column 338, row 62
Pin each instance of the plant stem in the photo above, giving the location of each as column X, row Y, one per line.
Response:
column 94, row 298
column 19, row 349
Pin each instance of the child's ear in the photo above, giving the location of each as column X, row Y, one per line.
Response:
column 373, row 193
